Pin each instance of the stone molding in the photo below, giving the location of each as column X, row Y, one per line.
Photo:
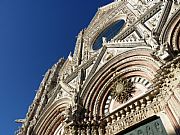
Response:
column 148, row 105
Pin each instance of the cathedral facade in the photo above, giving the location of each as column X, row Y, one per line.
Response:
column 122, row 79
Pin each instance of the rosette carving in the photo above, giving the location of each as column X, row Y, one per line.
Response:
column 121, row 90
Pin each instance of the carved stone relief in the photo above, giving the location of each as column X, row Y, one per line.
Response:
column 162, row 52
column 121, row 90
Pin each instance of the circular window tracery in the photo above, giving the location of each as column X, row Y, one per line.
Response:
column 109, row 33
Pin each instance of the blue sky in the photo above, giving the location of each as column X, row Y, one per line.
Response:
column 34, row 34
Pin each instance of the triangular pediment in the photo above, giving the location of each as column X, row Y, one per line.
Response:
column 132, row 12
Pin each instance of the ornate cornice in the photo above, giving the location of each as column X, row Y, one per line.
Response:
column 132, row 114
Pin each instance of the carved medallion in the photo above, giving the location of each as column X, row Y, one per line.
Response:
column 121, row 90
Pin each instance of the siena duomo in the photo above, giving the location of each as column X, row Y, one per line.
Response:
column 123, row 77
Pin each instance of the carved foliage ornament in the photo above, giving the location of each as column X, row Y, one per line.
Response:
column 121, row 90
column 169, row 77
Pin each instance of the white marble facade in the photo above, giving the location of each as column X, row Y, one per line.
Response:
column 123, row 74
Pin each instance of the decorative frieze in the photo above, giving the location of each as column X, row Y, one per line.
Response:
column 132, row 114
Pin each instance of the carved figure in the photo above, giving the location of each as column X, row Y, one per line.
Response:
column 162, row 51
column 104, row 39
column 150, row 40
